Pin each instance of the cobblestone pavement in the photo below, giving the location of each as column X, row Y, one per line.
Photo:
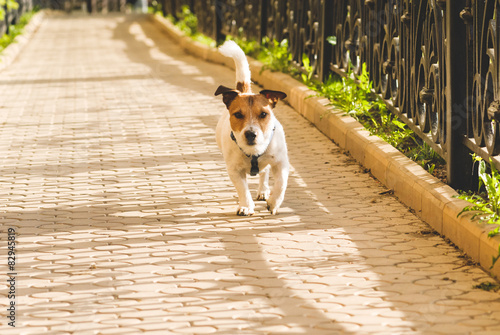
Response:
column 126, row 218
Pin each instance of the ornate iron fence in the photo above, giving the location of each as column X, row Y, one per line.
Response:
column 435, row 62
column 12, row 16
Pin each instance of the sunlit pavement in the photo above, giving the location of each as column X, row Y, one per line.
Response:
column 125, row 216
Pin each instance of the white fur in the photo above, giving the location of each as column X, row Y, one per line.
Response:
column 275, row 158
column 270, row 144
column 232, row 50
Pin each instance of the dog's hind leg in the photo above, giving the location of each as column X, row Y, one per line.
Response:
column 246, row 205
column 280, row 174
column 263, row 191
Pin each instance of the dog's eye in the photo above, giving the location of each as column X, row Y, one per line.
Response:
column 238, row 115
column 263, row 115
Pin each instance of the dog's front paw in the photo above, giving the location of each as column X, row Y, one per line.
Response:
column 244, row 211
column 272, row 207
column 263, row 195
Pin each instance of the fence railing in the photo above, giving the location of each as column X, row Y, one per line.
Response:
column 435, row 62
column 12, row 16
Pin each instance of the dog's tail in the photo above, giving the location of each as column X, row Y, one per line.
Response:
column 243, row 81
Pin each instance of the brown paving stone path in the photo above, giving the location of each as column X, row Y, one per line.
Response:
column 125, row 216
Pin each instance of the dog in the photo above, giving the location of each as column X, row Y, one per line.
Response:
column 250, row 137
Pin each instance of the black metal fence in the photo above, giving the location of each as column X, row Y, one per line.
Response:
column 12, row 16
column 435, row 62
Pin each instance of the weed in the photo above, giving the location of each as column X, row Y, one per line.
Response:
column 9, row 5
column 307, row 77
column 275, row 55
column 188, row 24
column 486, row 206
column 488, row 286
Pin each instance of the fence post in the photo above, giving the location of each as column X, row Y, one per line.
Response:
column 326, row 48
column 263, row 19
column 218, row 36
column 459, row 163
column 164, row 8
column 6, row 19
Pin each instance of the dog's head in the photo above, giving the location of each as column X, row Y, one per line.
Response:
column 251, row 117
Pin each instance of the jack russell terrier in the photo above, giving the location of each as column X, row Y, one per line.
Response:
column 251, row 139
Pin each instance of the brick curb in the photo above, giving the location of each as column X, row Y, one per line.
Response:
column 10, row 53
column 432, row 200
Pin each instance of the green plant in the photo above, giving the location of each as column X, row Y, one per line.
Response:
column 332, row 40
column 275, row 55
column 487, row 206
column 309, row 71
column 424, row 155
column 354, row 95
column 188, row 24
column 488, row 286
column 9, row 4
column 249, row 47
column 155, row 7
column 15, row 30
column 355, row 98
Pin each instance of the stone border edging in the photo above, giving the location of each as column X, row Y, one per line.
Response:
column 10, row 53
column 431, row 199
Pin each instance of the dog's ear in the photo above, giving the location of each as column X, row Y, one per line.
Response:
column 273, row 96
column 228, row 94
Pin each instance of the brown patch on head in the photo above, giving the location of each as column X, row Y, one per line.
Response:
column 244, row 87
column 250, row 110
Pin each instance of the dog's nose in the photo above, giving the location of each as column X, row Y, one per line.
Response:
column 250, row 136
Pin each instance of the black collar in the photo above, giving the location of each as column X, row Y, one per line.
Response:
column 254, row 170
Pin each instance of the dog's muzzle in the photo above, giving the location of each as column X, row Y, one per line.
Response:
column 250, row 136
column 254, row 169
